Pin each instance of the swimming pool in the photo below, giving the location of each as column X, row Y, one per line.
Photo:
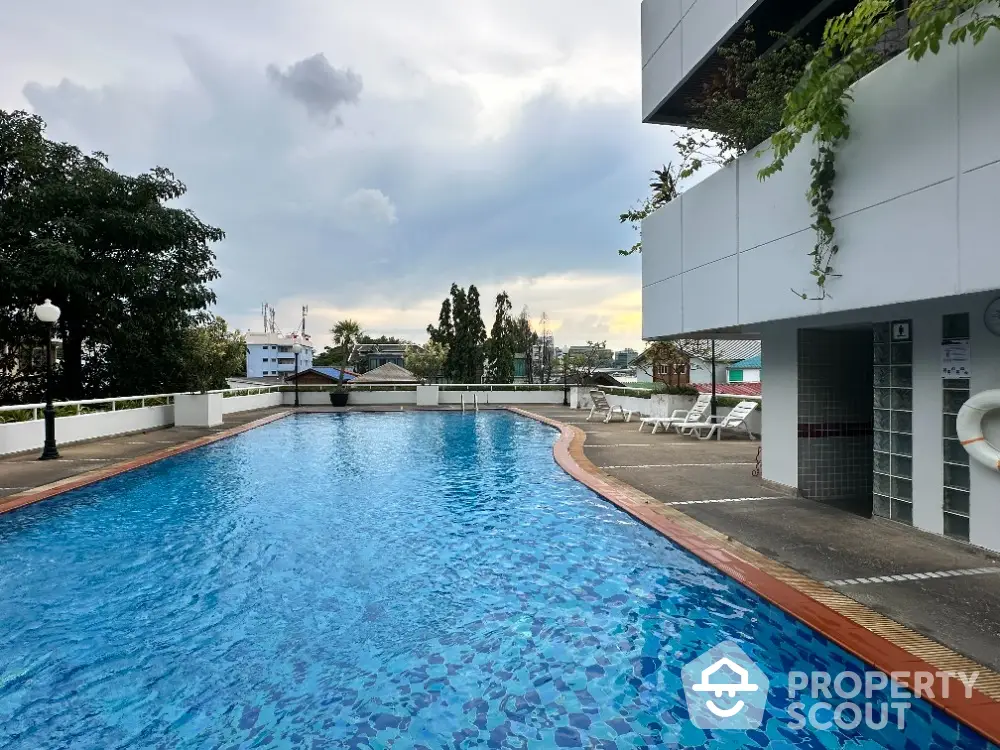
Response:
column 408, row 580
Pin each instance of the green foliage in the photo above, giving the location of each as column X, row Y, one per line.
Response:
column 346, row 335
column 129, row 272
column 427, row 362
column 741, row 105
column 210, row 353
column 461, row 329
column 854, row 44
column 500, row 347
column 329, row 357
column 663, row 189
column 675, row 390
column 737, row 109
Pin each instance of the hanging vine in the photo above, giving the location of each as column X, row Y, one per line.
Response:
column 854, row 44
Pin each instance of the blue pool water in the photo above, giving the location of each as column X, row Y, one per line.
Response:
column 419, row 580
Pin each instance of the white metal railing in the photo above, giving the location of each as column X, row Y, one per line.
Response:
column 140, row 401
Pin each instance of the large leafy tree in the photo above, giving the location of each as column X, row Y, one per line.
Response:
column 129, row 271
column 500, row 348
column 460, row 328
column 212, row 353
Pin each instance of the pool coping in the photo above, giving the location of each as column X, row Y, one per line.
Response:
column 872, row 637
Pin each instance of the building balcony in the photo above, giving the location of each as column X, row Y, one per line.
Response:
column 915, row 209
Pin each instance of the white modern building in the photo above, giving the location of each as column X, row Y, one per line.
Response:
column 271, row 355
column 862, row 387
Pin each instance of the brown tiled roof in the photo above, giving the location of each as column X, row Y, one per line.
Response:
column 388, row 373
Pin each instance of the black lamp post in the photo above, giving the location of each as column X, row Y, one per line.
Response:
column 296, row 347
column 48, row 314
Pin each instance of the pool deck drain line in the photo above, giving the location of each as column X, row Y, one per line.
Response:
column 871, row 636
column 901, row 577
column 723, row 500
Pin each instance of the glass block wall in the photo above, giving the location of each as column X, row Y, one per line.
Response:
column 955, row 385
column 892, row 495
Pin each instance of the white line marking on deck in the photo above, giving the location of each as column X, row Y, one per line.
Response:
column 671, row 466
column 622, row 445
column 724, row 500
column 901, row 577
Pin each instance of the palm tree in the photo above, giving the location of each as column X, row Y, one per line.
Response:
column 345, row 335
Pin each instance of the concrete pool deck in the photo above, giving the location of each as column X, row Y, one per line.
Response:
column 704, row 489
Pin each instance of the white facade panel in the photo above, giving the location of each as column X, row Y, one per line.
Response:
column 661, row 306
column 659, row 19
column 774, row 208
column 979, row 102
column 897, row 251
column 783, row 266
column 704, row 25
column 979, row 228
column 710, row 295
column 904, row 132
column 662, row 231
column 662, row 73
column 710, row 219
column 912, row 225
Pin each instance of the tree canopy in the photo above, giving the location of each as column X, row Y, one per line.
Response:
column 129, row 271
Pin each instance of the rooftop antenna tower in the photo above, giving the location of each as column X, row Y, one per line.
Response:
column 305, row 311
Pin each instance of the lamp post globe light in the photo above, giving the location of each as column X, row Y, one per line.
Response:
column 297, row 348
column 49, row 314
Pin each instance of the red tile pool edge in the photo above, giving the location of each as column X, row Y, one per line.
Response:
column 980, row 712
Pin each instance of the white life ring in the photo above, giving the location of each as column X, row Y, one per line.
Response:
column 969, row 424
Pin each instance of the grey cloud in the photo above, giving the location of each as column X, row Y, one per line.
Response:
column 542, row 199
column 317, row 84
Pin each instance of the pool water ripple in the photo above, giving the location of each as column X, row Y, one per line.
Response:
column 419, row 580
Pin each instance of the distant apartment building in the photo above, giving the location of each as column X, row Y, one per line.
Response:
column 624, row 358
column 596, row 354
column 271, row 355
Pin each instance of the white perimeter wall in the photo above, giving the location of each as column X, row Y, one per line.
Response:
column 915, row 206
column 248, row 403
column 24, row 436
column 780, row 416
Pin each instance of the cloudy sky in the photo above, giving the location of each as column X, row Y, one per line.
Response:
column 362, row 156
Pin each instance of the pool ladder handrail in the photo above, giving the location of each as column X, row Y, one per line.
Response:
column 475, row 402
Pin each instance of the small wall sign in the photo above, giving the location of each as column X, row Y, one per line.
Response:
column 955, row 358
column 900, row 330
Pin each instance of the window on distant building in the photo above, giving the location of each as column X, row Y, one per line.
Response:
column 736, row 376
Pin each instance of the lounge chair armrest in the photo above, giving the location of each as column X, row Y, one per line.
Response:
column 679, row 412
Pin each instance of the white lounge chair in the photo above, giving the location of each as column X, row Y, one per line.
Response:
column 679, row 416
column 599, row 404
column 734, row 421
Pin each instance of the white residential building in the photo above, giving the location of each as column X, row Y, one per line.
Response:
column 271, row 355
column 857, row 401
